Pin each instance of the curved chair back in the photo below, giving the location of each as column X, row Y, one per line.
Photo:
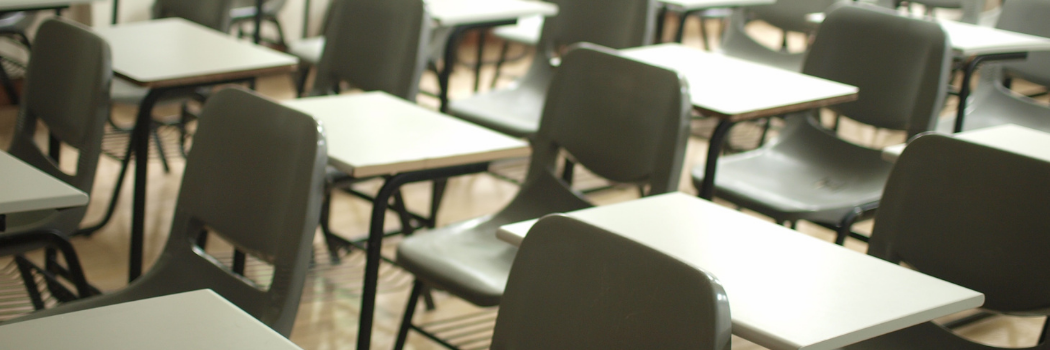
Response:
column 214, row 14
column 255, row 178
column 902, row 82
column 1029, row 17
column 994, row 104
column 577, row 286
column 67, row 88
column 971, row 215
column 375, row 45
column 644, row 108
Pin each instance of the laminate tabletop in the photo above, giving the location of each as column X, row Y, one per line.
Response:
column 735, row 89
column 459, row 12
column 377, row 134
column 26, row 5
column 192, row 320
column 786, row 290
column 26, row 188
column 1008, row 137
column 173, row 52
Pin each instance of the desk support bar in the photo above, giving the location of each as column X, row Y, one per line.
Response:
column 714, row 149
column 376, row 234
column 971, row 67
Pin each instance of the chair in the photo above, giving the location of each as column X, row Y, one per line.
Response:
column 516, row 110
column 970, row 215
column 577, row 286
column 971, row 8
column 629, row 127
column 808, row 173
column 244, row 11
column 67, row 89
column 993, row 103
column 208, row 13
column 16, row 25
column 788, row 15
column 374, row 45
column 242, row 136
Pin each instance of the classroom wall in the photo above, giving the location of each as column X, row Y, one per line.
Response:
column 100, row 14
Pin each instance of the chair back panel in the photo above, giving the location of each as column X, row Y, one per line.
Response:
column 628, row 127
column 375, row 45
column 971, row 215
column 1029, row 17
column 576, row 286
column 67, row 87
column 617, row 24
column 899, row 64
column 214, row 14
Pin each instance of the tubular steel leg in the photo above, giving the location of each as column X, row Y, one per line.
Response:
column 568, row 171
column 239, row 259
column 480, row 57
column 703, row 32
column 257, row 37
column 964, row 91
column 116, row 11
column 376, row 234
column 661, row 23
column 160, row 150
column 140, row 138
column 450, row 61
column 116, row 192
column 437, row 194
column 27, row 279
column 680, row 33
column 410, row 310
column 499, row 63
column 306, row 18
column 714, row 149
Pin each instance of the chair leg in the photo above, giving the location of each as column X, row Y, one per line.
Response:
column 845, row 226
column 437, row 194
column 160, row 151
column 8, row 85
column 26, row 271
column 480, row 58
column 329, row 238
column 499, row 63
column 428, row 298
column 568, row 171
column 402, row 214
column 410, row 310
column 703, row 32
column 300, row 79
column 280, row 31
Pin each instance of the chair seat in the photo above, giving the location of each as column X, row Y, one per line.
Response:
column 812, row 175
column 514, row 111
column 922, row 336
column 465, row 259
column 308, row 50
column 124, row 92
column 993, row 104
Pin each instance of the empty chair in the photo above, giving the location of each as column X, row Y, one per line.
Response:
column 211, row 14
column 970, row 215
column 516, row 110
column 254, row 178
column 66, row 89
column 788, row 15
column 629, row 127
column 309, row 51
column 808, row 173
column 577, row 286
column 374, row 45
column 244, row 11
column 992, row 102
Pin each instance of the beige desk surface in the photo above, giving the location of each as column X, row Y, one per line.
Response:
column 174, row 51
column 736, row 89
column 192, row 320
column 376, row 134
column 786, row 290
column 969, row 40
column 1008, row 137
column 11, row 5
column 26, row 188
column 458, row 12
column 708, row 4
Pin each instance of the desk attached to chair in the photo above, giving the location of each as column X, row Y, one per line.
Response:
column 786, row 290
column 26, row 188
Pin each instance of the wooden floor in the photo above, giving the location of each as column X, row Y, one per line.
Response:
column 329, row 310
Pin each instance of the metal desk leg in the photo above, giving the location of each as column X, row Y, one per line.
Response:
column 714, row 149
column 375, row 237
column 964, row 91
column 680, row 34
column 140, row 140
column 257, row 37
column 116, row 11
column 661, row 19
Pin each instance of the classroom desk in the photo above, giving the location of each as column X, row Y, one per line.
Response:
column 1008, row 137
column 170, row 56
column 466, row 15
column 734, row 90
column 974, row 45
column 377, row 134
column 26, row 188
column 192, row 320
column 786, row 290
column 689, row 7
column 38, row 5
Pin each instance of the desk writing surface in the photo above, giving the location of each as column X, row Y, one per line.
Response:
column 193, row 320
column 786, row 290
column 174, row 51
column 727, row 87
column 26, row 188
column 971, row 40
column 458, row 12
column 376, row 134
column 10, row 5
column 708, row 4
column 1008, row 137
